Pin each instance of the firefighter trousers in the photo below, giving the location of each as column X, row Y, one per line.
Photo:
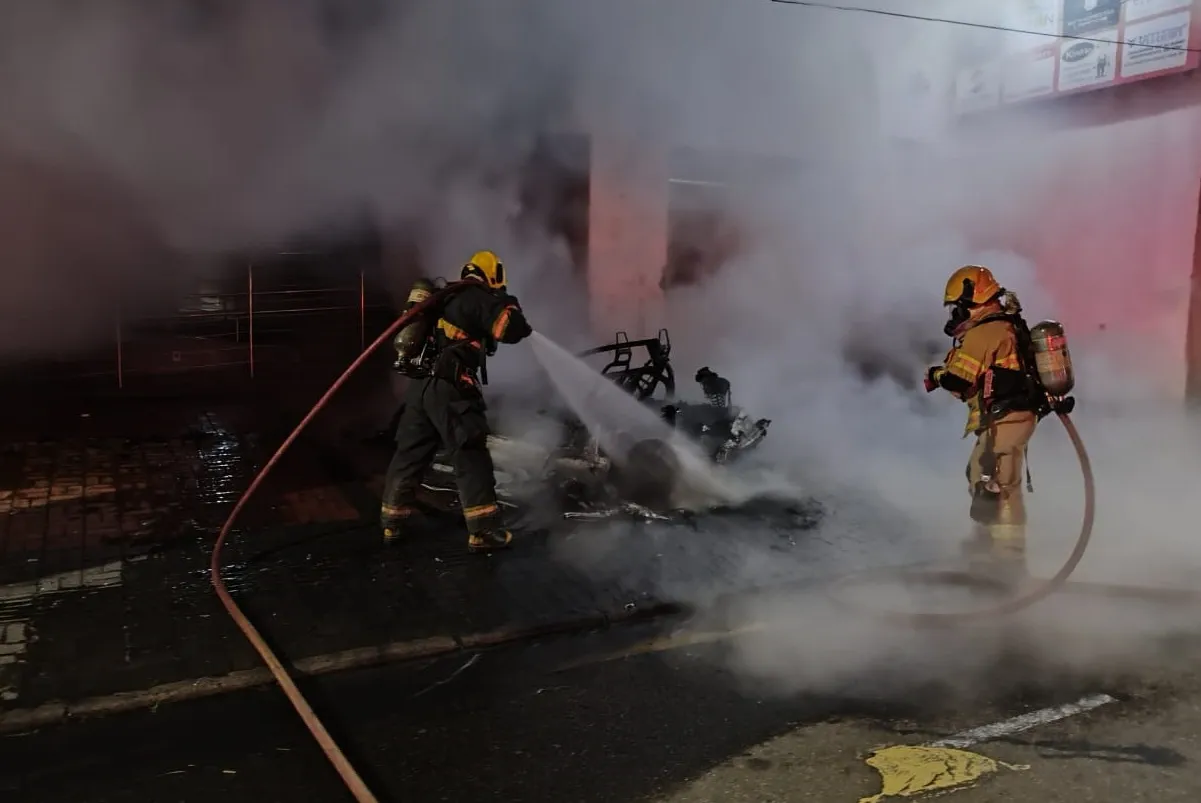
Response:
column 1002, row 534
column 436, row 412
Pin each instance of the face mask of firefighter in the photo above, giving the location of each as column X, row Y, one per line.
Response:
column 959, row 315
column 960, row 309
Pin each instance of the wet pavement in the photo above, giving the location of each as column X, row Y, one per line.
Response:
column 109, row 512
column 109, row 508
column 671, row 727
column 106, row 543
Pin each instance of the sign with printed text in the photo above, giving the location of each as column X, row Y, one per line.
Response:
column 1085, row 63
column 1159, row 43
column 1141, row 9
column 1087, row 17
column 1096, row 44
column 1029, row 75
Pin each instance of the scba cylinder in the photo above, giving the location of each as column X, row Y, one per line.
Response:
column 411, row 339
column 1052, row 358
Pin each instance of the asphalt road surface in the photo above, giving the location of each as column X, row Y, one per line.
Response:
column 673, row 726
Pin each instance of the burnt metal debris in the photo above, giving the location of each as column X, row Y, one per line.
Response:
column 585, row 482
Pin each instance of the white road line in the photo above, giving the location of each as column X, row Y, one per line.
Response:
column 946, row 765
column 697, row 182
column 1034, row 719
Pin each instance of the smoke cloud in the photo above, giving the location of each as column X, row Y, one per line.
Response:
column 829, row 312
column 143, row 140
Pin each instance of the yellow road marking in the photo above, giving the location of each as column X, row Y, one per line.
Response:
column 945, row 765
column 907, row 771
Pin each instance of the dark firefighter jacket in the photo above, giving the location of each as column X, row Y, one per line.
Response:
column 472, row 323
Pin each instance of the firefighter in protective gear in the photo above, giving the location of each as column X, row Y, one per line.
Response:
column 448, row 407
column 985, row 369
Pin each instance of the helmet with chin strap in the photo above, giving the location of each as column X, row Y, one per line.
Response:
column 968, row 288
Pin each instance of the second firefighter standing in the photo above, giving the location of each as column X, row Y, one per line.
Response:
column 444, row 405
column 986, row 368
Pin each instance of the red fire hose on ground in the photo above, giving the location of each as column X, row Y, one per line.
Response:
column 350, row 777
column 353, row 781
column 1010, row 606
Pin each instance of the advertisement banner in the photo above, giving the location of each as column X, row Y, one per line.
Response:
column 1141, row 9
column 1088, row 63
column 1160, row 43
column 1029, row 75
column 978, row 89
column 1100, row 44
column 1088, row 17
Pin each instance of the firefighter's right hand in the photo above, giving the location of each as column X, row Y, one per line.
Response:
column 931, row 381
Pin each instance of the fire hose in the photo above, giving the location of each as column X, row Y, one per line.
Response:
column 334, row 753
column 356, row 785
column 1010, row 606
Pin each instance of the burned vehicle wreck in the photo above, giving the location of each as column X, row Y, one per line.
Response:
column 589, row 475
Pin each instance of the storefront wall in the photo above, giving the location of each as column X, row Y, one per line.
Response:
column 1110, row 224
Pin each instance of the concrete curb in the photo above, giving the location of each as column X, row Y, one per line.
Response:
column 54, row 713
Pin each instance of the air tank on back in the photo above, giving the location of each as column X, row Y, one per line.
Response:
column 411, row 339
column 1052, row 358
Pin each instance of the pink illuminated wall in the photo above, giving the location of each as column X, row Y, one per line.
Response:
column 1111, row 228
column 1108, row 216
column 627, row 236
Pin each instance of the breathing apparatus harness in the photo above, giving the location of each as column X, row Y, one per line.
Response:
column 426, row 306
column 1030, row 389
column 434, row 350
column 1018, row 390
column 1004, row 390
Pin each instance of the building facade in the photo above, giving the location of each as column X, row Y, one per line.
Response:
column 1093, row 107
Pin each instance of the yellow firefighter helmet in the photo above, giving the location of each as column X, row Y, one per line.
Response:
column 971, row 285
column 485, row 265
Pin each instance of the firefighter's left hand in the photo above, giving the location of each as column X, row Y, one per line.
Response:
column 931, row 381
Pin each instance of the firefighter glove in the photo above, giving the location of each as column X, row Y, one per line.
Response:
column 932, row 375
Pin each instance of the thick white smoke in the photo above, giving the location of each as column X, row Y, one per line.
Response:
column 844, row 267
column 152, row 136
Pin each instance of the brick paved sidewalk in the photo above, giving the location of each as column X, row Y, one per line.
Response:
column 105, row 545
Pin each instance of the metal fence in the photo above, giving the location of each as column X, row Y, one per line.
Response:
column 238, row 326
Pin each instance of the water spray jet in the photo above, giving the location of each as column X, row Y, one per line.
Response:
column 654, row 463
column 549, row 351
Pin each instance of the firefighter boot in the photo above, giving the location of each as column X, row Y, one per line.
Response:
column 1007, row 539
column 489, row 540
column 976, row 548
column 1007, row 559
column 395, row 520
